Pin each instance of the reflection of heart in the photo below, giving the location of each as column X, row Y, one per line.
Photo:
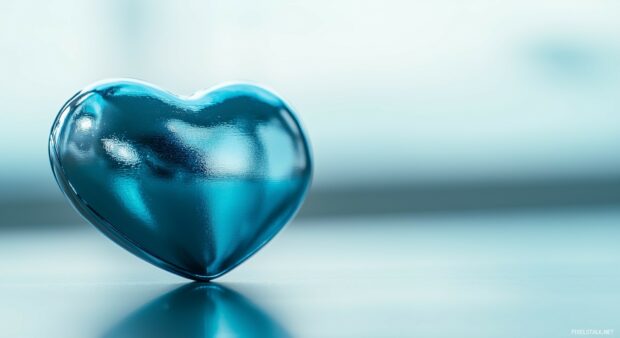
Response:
column 199, row 310
column 194, row 185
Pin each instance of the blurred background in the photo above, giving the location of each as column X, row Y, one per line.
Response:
column 411, row 106
column 467, row 167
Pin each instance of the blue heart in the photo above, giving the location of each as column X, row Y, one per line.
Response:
column 194, row 185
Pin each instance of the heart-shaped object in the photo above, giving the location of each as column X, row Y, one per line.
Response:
column 194, row 185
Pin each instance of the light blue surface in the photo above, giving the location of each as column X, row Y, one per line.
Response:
column 505, row 274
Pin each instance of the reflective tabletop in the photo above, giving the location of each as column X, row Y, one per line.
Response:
column 536, row 273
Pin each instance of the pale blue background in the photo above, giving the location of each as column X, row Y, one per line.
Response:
column 467, row 178
column 391, row 92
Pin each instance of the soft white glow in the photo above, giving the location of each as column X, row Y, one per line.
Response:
column 121, row 151
column 230, row 154
column 84, row 123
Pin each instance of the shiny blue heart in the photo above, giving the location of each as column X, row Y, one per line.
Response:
column 194, row 185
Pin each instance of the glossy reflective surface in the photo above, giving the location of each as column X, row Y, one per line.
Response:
column 194, row 185
column 198, row 311
column 512, row 273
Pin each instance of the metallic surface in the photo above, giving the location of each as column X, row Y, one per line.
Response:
column 194, row 185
